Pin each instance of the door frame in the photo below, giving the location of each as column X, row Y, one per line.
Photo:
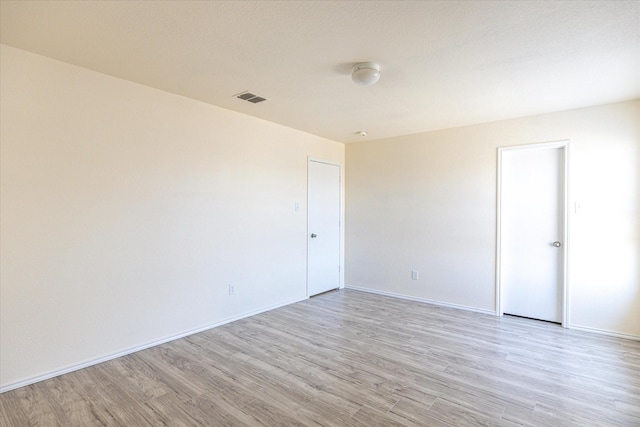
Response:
column 565, row 146
column 340, row 221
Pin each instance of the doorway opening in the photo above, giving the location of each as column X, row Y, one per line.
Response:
column 532, row 231
column 324, row 201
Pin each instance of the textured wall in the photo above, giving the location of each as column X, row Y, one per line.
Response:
column 127, row 211
column 428, row 202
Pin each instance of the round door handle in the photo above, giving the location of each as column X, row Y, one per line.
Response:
column 314, row 235
column 557, row 244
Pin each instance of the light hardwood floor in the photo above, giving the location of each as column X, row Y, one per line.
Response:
column 350, row 358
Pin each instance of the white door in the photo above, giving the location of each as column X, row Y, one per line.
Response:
column 323, row 261
column 532, row 231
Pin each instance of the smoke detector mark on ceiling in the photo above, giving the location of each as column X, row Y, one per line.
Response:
column 251, row 97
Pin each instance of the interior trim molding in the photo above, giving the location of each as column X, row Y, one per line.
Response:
column 565, row 146
column 483, row 311
column 86, row 364
column 605, row 332
column 341, row 221
column 423, row 300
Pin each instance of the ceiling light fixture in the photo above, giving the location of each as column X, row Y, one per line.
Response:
column 365, row 73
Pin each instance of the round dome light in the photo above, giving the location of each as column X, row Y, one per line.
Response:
column 365, row 73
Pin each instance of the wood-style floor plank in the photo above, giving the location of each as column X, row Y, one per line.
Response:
column 350, row 358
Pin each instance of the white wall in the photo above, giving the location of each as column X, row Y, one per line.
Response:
column 127, row 211
column 428, row 202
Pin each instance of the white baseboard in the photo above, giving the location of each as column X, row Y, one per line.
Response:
column 86, row 364
column 418, row 299
column 480, row 310
column 605, row 332
column 58, row 372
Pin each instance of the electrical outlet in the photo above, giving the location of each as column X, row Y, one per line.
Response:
column 414, row 275
column 232, row 289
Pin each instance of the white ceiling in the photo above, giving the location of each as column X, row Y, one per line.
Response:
column 444, row 63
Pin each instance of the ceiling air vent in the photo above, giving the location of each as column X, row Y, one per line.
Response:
column 251, row 97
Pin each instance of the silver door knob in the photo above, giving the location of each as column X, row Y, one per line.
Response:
column 557, row 244
column 314, row 235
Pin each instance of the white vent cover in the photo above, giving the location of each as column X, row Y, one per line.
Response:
column 250, row 97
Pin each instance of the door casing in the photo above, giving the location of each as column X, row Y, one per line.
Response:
column 565, row 146
column 309, row 231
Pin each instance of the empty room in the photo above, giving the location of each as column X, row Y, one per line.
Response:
column 319, row 213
